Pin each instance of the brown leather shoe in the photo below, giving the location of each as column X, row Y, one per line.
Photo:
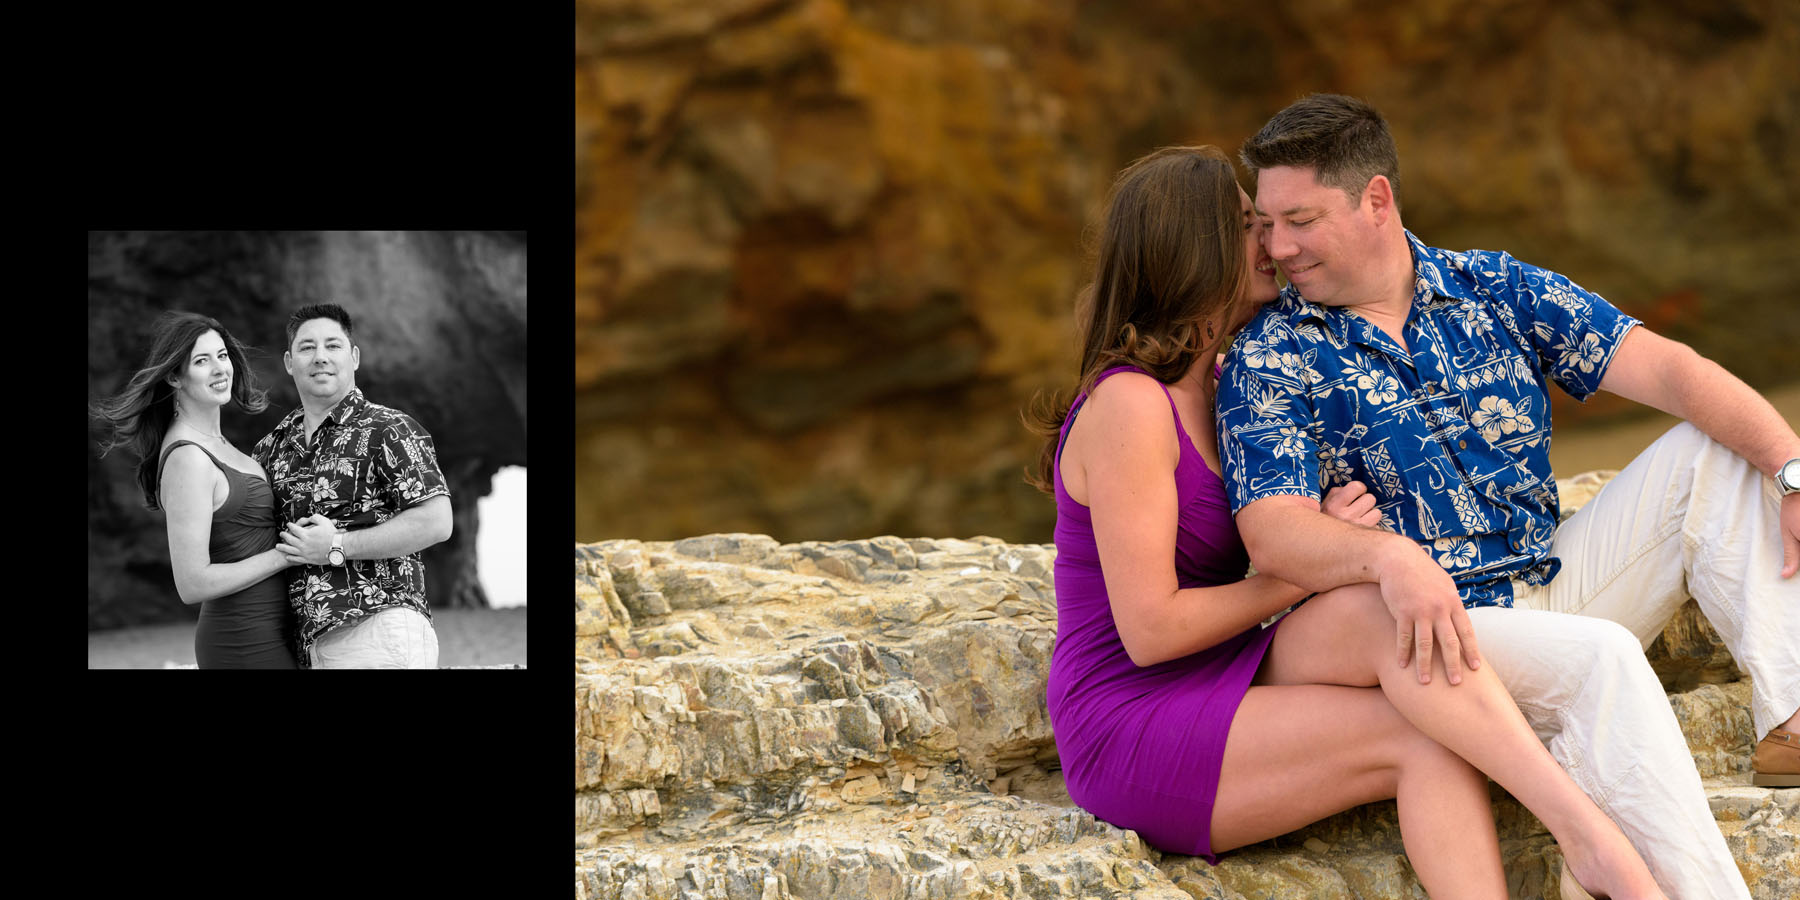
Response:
column 1777, row 760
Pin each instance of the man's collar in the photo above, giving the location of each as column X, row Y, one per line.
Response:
column 341, row 410
column 1438, row 273
column 336, row 415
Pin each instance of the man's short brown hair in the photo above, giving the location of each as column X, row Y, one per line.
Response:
column 1342, row 139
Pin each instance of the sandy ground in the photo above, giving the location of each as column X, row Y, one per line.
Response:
column 1576, row 451
column 466, row 637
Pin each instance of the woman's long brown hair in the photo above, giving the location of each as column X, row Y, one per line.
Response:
column 140, row 415
column 1169, row 258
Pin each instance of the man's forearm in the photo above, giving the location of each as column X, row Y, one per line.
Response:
column 409, row 531
column 1731, row 412
column 1291, row 541
column 1668, row 375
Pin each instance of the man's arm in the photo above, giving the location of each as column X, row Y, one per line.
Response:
column 1288, row 537
column 409, row 531
column 1671, row 377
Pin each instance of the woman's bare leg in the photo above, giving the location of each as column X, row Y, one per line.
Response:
column 1345, row 637
column 1299, row 753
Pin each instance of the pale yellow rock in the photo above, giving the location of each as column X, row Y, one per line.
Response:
column 865, row 719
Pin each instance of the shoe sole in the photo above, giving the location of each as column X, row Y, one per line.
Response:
column 1783, row 780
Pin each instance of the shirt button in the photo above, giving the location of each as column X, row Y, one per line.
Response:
column 1462, row 445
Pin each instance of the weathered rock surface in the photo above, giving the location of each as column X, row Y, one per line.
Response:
column 440, row 321
column 843, row 239
column 865, row 719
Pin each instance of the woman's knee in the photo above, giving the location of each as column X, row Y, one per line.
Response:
column 1403, row 748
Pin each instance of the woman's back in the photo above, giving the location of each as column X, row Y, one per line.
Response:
column 1141, row 745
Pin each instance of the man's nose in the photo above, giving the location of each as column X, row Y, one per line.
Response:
column 1279, row 241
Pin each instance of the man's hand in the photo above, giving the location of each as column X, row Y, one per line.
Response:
column 308, row 541
column 1351, row 503
column 1428, row 614
column 1790, row 535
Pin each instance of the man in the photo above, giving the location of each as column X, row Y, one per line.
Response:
column 359, row 489
column 1422, row 374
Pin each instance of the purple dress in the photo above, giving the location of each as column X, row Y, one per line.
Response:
column 1141, row 747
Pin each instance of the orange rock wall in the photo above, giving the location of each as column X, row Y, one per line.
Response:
column 826, row 250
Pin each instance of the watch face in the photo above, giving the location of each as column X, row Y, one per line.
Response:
column 1790, row 475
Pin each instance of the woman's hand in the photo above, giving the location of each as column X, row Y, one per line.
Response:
column 1352, row 503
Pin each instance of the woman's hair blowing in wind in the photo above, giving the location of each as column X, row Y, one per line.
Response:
column 140, row 414
column 1168, row 261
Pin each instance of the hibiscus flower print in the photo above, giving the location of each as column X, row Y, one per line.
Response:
column 1333, row 465
column 324, row 489
column 1291, row 443
column 1454, row 553
column 1297, row 368
column 1587, row 356
column 1498, row 416
column 316, row 585
column 1257, row 354
column 1381, row 388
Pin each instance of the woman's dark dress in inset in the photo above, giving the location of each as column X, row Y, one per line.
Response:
column 253, row 628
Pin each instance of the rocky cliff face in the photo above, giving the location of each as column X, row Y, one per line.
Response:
column 865, row 719
column 827, row 249
column 439, row 318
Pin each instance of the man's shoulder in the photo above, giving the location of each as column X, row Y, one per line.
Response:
column 1281, row 314
column 370, row 414
column 1469, row 274
column 1287, row 324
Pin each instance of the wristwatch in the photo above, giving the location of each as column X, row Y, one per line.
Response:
column 1788, row 477
column 337, row 549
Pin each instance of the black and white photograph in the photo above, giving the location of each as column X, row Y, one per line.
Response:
column 306, row 449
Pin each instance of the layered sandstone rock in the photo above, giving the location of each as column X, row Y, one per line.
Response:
column 865, row 719
column 825, row 250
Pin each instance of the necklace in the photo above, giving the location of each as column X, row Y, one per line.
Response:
column 184, row 421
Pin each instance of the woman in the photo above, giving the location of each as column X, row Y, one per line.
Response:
column 217, row 500
column 1175, row 713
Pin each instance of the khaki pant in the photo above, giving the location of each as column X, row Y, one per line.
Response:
column 393, row 638
column 1686, row 515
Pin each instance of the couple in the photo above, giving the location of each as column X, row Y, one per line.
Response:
column 1382, row 437
column 334, row 580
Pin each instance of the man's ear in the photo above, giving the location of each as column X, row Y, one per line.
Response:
column 1378, row 196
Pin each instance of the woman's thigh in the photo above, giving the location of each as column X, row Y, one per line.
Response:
column 1331, row 639
column 1299, row 753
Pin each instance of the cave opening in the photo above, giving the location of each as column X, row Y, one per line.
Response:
column 500, row 546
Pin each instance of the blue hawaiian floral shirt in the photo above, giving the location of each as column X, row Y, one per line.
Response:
column 1453, row 438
